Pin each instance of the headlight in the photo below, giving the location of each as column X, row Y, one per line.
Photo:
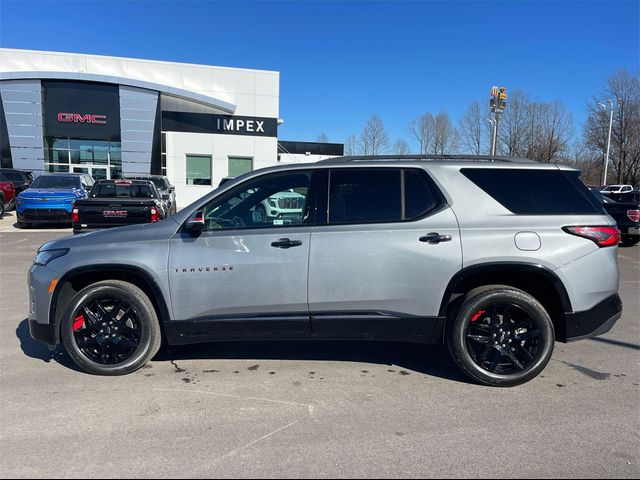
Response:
column 273, row 202
column 43, row 258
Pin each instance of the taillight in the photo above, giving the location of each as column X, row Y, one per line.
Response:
column 154, row 215
column 602, row 236
column 75, row 215
column 634, row 215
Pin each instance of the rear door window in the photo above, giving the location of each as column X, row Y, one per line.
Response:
column 381, row 195
column 536, row 192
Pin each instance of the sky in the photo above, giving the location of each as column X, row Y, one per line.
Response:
column 340, row 62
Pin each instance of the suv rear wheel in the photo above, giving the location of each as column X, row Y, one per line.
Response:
column 111, row 328
column 501, row 336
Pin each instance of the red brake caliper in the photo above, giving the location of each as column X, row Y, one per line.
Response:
column 78, row 322
column 477, row 315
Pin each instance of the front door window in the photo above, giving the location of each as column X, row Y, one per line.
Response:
column 278, row 200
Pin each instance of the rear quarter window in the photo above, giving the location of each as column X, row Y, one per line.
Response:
column 536, row 192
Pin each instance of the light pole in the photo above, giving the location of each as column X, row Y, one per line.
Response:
column 494, row 124
column 606, row 157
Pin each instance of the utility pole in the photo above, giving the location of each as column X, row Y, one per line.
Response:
column 498, row 104
column 493, row 134
column 606, row 156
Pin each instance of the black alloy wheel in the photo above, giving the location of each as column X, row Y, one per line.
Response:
column 501, row 336
column 502, row 339
column 107, row 330
column 111, row 328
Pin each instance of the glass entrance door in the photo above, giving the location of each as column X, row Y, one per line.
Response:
column 97, row 172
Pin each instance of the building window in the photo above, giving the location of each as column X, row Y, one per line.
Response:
column 95, row 157
column 239, row 166
column 198, row 169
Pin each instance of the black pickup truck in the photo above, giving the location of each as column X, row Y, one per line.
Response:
column 626, row 213
column 116, row 203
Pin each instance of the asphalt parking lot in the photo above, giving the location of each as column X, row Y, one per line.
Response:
column 335, row 409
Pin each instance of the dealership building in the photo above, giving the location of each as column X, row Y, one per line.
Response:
column 115, row 117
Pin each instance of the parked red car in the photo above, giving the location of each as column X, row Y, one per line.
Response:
column 7, row 196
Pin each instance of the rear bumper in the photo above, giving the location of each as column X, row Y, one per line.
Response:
column 595, row 321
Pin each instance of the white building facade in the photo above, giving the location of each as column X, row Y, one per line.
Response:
column 113, row 117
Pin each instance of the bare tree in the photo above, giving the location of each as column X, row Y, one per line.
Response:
column 351, row 145
column 471, row 129
column 445, row 135
column 322, row 138
column 556, row 129
column 588, row 161
column 549, row 129
column 514, row 125
column 374, row 139
column 401, row 147
column 423, row 129
column 623, row 88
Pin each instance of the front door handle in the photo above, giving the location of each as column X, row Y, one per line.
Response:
column 286, row 243
column 435, row 237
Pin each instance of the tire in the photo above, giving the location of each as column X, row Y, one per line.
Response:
column 263, row 212
column 2, row 208
column 629, row 241
column 98, row 341
column 500, row 336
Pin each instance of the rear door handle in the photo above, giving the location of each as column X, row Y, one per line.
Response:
column 435, row 237
column 286, row 243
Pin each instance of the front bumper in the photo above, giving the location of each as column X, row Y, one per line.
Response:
column 42, row 332
column 595, row 321
column 44, row 215
column 40, row 281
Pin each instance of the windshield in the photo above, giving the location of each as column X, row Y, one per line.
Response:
column 13, row 176
column 611, row 188
column 57, row 181
column 112, row 190
column 159, row 182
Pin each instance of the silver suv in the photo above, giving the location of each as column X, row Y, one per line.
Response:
column 498, row 258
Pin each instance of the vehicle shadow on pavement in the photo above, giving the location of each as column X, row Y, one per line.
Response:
column 401, row 358
column 38, row 350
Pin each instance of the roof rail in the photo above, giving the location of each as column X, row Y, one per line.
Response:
column 425, row 158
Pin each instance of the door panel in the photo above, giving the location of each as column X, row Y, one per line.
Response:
column 382, row 268
column 245, row 272
column 238, row 273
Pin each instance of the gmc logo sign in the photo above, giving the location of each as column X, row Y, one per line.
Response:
column 86, row 118
column 114, row 213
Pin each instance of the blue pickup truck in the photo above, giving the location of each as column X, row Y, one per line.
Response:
column 50, row 198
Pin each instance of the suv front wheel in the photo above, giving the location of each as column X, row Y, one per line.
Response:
column 111, row 328
column 501, row 336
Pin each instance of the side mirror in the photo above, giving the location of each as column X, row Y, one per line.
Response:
column 195, row 222
column 172, row 189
